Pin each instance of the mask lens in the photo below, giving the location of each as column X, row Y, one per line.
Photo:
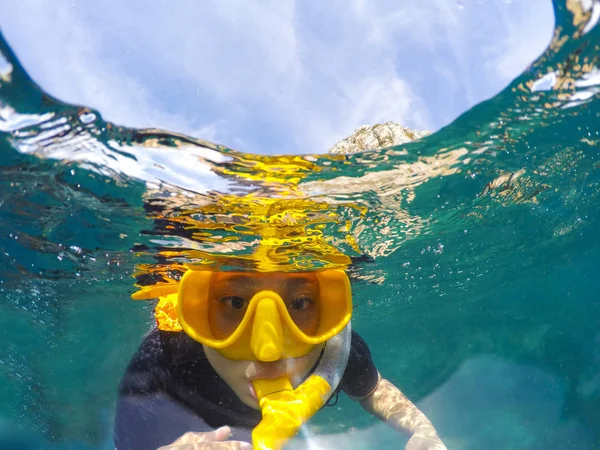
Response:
column 300, row 294
column 230, row 295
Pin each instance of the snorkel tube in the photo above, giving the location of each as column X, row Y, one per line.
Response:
column 285, row 409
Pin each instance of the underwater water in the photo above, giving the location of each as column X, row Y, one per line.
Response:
column 474, row 255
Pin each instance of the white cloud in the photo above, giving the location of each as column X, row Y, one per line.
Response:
column 277, row 77
column 64, row 58
column 522, row 41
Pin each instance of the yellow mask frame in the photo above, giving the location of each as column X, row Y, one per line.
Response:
column 266, row 332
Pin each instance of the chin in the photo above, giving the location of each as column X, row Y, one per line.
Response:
column 249, row 401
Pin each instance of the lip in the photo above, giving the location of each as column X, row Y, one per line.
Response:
column 267, row 371
column 252, row 391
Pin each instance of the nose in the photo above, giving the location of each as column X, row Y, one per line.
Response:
column 267, row 334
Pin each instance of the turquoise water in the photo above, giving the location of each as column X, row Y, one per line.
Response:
column 474, row 255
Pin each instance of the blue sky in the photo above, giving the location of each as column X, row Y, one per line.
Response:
column 276, row 76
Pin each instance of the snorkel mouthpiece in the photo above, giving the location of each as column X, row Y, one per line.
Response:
column 267, row 334
column 285, row 409
column 264, row 387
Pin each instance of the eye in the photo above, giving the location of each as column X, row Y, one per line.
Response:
column 301, row 304
column 234, row 302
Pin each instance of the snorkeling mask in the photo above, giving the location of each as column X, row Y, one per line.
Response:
column 263, row 316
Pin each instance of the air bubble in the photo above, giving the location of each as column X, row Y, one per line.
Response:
column 87, row 117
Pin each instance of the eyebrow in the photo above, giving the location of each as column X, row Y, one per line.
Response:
column 295, row 282
column 236, row 278
column 239, row 281
column 243, row 281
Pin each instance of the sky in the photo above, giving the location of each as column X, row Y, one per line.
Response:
column 276, row 76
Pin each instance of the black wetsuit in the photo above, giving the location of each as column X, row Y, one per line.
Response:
column 170, row 388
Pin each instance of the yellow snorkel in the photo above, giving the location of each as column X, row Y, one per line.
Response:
column 285, row 410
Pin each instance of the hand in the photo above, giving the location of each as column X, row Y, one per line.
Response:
column 213, row 440
column 425, row 442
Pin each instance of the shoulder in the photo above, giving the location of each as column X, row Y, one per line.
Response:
column 360, row 354
column 150, row 368
column 358, row 343
column 361, row 376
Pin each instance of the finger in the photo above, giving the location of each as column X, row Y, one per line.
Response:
column 190, row 437
column 227, row 445
column 220, row 434
column 179, row 441
column 175, row 446
column 193, row 437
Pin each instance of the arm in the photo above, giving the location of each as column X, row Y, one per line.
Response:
column 363, row 383
column 391, row 406
column 147, row 416
column 146, row 423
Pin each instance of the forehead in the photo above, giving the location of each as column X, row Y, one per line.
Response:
column 271, row 281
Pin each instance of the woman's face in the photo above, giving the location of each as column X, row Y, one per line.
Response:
column 229, row 297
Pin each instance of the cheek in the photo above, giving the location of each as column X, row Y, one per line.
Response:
column 307, row 321
column 222, row 321
column 235, row 369
column 234, row 374
column 230, row 370
column 221, row 327
column 298, row 368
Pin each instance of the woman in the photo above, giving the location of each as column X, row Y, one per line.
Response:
column 256, row 350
